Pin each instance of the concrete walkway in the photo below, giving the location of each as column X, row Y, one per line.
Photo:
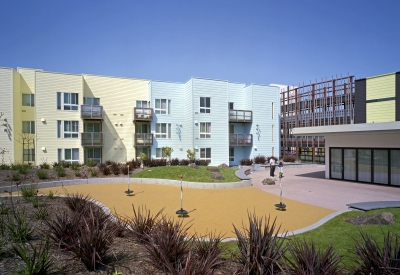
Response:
column 307, row 184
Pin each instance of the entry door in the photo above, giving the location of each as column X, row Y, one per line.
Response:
column 336, row 163
column 349, row 167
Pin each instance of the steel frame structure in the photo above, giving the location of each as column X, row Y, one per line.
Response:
column 329, row 102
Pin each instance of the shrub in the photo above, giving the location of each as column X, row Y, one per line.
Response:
column 184, row 162
column 44, row 165
column 52, row 195
column 106, row 171
column 259, row 248
column 42, row 174
column 37, row 261
column 35, row 202
column 93, row 172
column 16, row 177
column 115, row 168
column 5, row 166
column 174, row 161
column 191, row 155
column 78, row 202
column 289, row 158
column 91, row 163
column 18, row 226
column 75, row 166
column 375, row 259
column 169, row 244
column 23, row 168
column 60, row 171
column 147, row 162
column 42, row 212
column 108, row 162
column 141, row 223
column 77, row 173
column 101, row 166
column 246, row 162
column 260, row 159
column 55, row 164
column 209, row 251
column 158, row 162
column 29, row 191
column 306, row 259
column 64, row 164
column 124, row 169
column 203, row 162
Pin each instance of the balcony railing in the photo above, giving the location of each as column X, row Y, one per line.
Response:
column 241, row 140
column 240, row 116
column 142, row 114
column 91, row 112
column 92, row 139
column 142, row 139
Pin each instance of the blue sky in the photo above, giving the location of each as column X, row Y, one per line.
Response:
column 282, row 41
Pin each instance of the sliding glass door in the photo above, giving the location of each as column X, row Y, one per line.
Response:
column 349, row 167
column 336, row 163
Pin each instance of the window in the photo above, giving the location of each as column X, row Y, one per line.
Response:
column 231, row 129
column 231, row 106
column 70, row 129
column 205, row 153
column 28, row 100
column 159, row 153
column 92, row 101
column 272, row 108
column 70, row 155
column 92, row 127
column 145, row 150
column 231, row 154
column 93, row 154
column 163, row 106
column 273, row 151
column 67, row 101
column 142, row 104
column 28, row 127
column 205, row 129
column 163, row 130
column 272, row 132
column 205, row 105
column 29, row 154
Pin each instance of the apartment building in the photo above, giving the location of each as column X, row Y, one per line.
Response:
column 50, row 116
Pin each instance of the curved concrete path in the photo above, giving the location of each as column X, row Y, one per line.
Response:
column 306, row 183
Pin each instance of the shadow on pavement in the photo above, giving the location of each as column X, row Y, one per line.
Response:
column 316, row 175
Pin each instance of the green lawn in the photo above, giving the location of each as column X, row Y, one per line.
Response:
column 189, row 174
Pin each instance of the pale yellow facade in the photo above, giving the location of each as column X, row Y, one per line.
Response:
column 117, row 97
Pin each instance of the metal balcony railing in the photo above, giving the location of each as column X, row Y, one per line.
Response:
column 92, row 139
column 240, row 116
column 142, row 114
column 91, row 112
column 241, row 140
column 142, row 139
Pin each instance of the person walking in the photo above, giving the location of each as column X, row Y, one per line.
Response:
column 272, row 167
column 280, row 166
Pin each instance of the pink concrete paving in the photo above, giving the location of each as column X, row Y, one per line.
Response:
column 307, row 184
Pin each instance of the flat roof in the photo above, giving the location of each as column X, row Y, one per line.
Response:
column 361, row 128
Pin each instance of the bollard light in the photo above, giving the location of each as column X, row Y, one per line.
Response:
column 129, row 191
column 181, row 212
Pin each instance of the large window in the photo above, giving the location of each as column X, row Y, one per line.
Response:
column 163, row 130
column 29, row 154
column 142, row 104
column 92, row 101
column 28, row 100
column 93, row 154
column 205, row 129
column 70, row 155
column 67, row 101
column 205, row 105
column 92, row 127
column 162, row 106
column 28, row 127
column 159, row 153
column 70, row 129
column 205, row 153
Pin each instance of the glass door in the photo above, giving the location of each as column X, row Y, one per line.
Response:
column 395, row 167
column 364, row 165
column 336, row 163
column 381, row 173
column 349, row 167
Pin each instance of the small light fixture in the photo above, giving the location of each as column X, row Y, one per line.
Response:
column 195, row 122
column 195, row 147
column 43, row 148
column 43, row 119
column 5, row 130
column 116, row 123
column 4, row 119
column 120, row 123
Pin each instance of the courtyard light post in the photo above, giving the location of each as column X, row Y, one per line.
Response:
column 129, row 191
column 181, row 212
column 280, row 205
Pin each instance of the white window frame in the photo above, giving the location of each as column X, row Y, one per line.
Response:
column 62, row 104
column 30, row 125
column 206, row 156
column 67, row 129
column 29, row 156
column 30, row 99
column 160, row 153
column 62, row 153
column 160, row 110
column 207, row 128
column 205, row 109
column 140, row 103
column 163, row 135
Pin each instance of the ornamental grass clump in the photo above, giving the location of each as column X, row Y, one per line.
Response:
column 307, row 259
column 18, row 226
column 372, row 258
column 259, row 248
column 29, row 191
column 141, row 224
column 78, row 202
column 42, row 174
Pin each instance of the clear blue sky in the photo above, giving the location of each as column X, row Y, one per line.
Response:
column 281, row 41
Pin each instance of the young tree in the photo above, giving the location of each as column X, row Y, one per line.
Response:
column 191, row 155
column 27, row 140
column 168, row 151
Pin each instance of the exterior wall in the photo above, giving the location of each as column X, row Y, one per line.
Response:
column 379, row 88
column 360, row 110
column 19, row 114
column 370, row 140
column 6, row 107
column 398, row 96
column 188, row 125
column 118, row 97
column 47, row 86
column 175, row 93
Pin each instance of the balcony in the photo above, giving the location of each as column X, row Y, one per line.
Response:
column 91, row 112
column 240, row 140
column 240, row 116
column 92, row 139
column 142, row 114
column 142, row 139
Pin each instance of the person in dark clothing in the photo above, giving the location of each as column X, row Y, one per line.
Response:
column 272, row 167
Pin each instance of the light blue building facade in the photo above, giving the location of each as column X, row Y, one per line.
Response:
column 223, row 121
